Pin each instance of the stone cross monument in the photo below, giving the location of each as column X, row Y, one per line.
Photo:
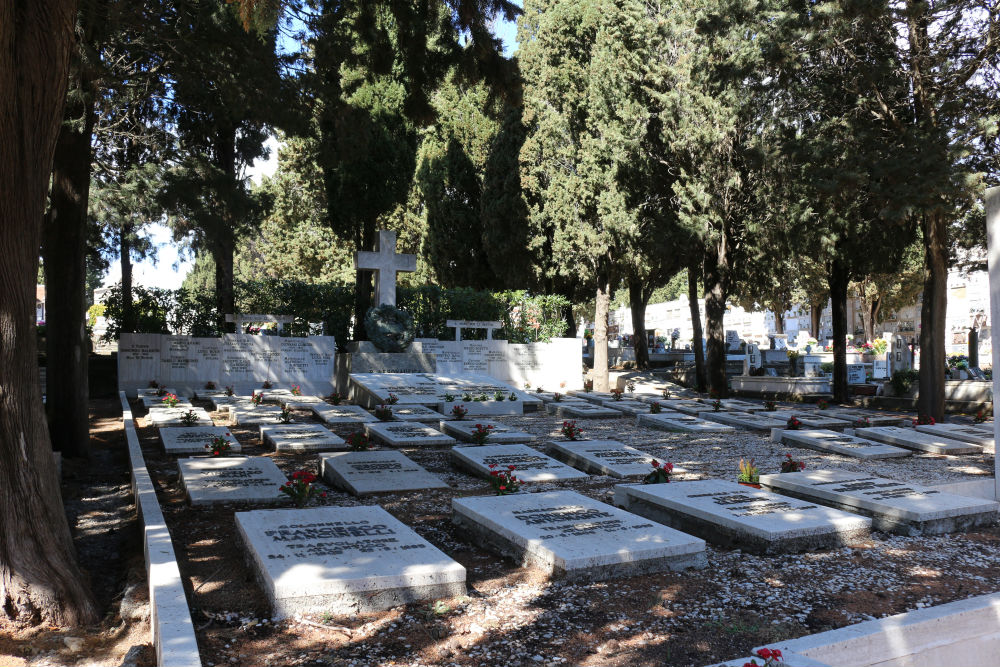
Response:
column 385, row 262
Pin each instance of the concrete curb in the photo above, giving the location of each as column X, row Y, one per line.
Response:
column 170, row 620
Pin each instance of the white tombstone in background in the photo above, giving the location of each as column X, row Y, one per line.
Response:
column 732, row 340
column 752, row 360
column 901, row 360
column 993, row 245
column 780, row 341
column 385, row 262
column 880, row 368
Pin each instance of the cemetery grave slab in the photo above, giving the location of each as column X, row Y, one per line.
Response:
column 300, row 402
column 898, row 507
column 343, row 560
column 342, row 414
column 602, row 457
column 733, row 515
column 222, row 403
column 251, row 415
column 154, row 392
column 584, row 411
column 735, row 404
column 529, row 465
column 681, row 423
column 157, row 402
column 627, row 407
column 817, row 420
column 192, row 439
column 173, row 416
column 416, row 413
column 376, row 471
column 553, row 407
column 550, row 397
column 874, row 418
column 959, row 432
column 592, row 396
column 274, row 395
column 480, row 408
column 693, row 408
column 300, row 438
column 407, row 434
column 571, row 536
column 838, row 443
column 500, row 433
column 911, row 438
column 756, row 422
column 231, row 479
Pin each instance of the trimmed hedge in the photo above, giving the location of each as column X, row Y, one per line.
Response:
column 525, row 317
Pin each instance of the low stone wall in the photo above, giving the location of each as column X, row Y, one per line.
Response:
column 170, row 619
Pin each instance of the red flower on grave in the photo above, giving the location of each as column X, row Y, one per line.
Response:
column 510, row 467
column 503, row 488
column 656, row 464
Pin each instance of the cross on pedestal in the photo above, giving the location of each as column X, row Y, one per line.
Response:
column 385, row 262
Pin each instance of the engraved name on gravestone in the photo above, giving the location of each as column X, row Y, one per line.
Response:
column 603, row 457
column 376, row 471
column 300, row 438
column 729, row 514
column 344, row 560
column 899, row 507
column 529, row 464
column 210, row 481
column 838, row 443
column 138, row 359
column 569, row 535
column 407, row 434
column 193, row 440
column 911, row 438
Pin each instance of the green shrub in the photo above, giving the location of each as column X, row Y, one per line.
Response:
column 902, row 381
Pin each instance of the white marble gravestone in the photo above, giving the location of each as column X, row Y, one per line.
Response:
column 900, row 355
column 248, row 415
column 193, row 439
column 529, row 464
column 627, row 407
column 407, row 434
column 732, row 404
column 174, row 416
column 898, row 507
column 874, row 418
column 231, row 479
column 838, row 443
column 911, row 438
column 157, row 402
column 376, row 471
column 343, row 560
column 732, row 515
column 962, row 432
column 693, row 408
column 856, row 374
column 681, row 424
column 342, row 414
column 584, row 411
column 815, row 420
column 500, row 433
column 300, row 438
column 603, row 457
column 416, row 413
column 566, row 534
column 300, row 402
column 761, row 421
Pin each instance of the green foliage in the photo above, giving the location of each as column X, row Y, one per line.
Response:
column 526, row 318
column 152, row 307
column 902, row 381
column 95, row 311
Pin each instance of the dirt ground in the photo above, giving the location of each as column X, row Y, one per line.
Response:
column 510, row 616
column 102, row 515
column 515, row 616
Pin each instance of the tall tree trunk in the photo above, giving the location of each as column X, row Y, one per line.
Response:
column 364, row 286
column 838, row 280
column 225, row 295
column 601, row 332
column 40, row 581
column 638, row 298
column 64, row 251
column 125, row 255
column 570, row 322
column 697, row 335
column 716, row 291
column 779, row 322
column 932, row 316
column 815, row 320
